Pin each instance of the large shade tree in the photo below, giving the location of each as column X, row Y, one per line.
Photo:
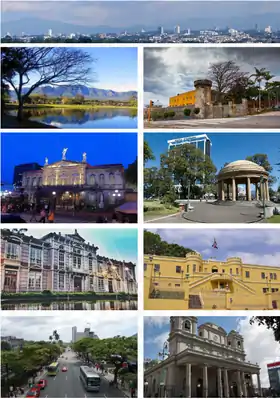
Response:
column 28, row 68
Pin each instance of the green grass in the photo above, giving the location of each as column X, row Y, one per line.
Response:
column 70, row 106
column 154, row 208
column 274, row 219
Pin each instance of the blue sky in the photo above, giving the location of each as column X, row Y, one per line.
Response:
column 115, row 68
column 120, row 246
column 261, row 246
column 156, row 330
column 226, row 147
column 101, row 148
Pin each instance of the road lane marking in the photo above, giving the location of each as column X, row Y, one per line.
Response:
column 105, row 396
column 66, row 395
column 54, row 378
column 46, row 396
column 85, row 396
column 66, row 377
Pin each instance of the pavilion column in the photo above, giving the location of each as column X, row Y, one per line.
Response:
column 267, row 190
column 226, row 387
column 220, row 387
column 257, row 192
column 245, row 394
column 205, row 381
column 262, row 190
column 239, row 385
column 188, row 380
column 248, row 188
column 222, row 190
column 233, row 189
column 227, row 191
column 259, row 385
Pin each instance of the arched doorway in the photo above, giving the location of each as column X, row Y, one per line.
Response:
column 78, row 283
column 214, row 269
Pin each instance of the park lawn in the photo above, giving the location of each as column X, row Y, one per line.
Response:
column 70, row 106
column 274, row 219
column 156, row 208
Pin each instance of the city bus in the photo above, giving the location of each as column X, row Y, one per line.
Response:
column 90, row 379
column 53, row 368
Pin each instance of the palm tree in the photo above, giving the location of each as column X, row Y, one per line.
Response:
column 267, row 78
column 260, row 75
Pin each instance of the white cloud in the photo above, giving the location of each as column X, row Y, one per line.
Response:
column 257, row 259
column 260, row 347
column 104, row 324
column 157, row 321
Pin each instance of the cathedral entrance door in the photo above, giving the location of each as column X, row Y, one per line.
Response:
column 199, row 388
column 78, row 283
column 110, row 285
column 10, row 282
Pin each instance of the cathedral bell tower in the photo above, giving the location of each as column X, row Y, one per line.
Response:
column 181, row 330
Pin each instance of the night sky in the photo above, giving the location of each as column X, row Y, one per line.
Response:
column 101, row 148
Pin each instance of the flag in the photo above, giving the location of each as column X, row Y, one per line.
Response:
column 215, row 245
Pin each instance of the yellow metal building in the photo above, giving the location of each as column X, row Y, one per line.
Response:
column 183, row 99
column 193, row 283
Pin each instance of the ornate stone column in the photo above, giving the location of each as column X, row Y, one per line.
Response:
column 220, row 386
column 262, row 190
column 193, row 327
column 248, row 189
column 205, row 381
column 226, row 387
column 233, row 189
column 267, row 190
column 222, row 190
column 245, row 394
column 259, row 385
column 239, row 384
column 188, row 380
column 257, row 191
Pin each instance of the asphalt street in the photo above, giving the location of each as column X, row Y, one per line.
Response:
column 68, row 384
column 270, row 120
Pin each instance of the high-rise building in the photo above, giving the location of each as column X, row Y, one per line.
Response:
column 50, row 32
column 273, row 370
column 76, row 336
column 201, row 141
column 268, row 29
column 177, row 29
column 161, row 30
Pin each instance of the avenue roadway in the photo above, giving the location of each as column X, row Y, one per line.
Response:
column 68, row 384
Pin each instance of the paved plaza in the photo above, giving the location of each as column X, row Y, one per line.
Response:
column 270, row 120
column 209, row 212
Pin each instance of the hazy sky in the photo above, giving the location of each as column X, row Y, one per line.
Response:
column 261, row 247
column 156, row 330
column 146, row 13
column 169, row 71
column 40, row 327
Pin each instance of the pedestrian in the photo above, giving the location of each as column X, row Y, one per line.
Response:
column 43, row 216
column 51, row 217
column 34, row 212
column 114, row 218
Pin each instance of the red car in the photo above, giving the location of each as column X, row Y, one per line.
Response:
column 64, row 368
column 33, row 393
column 42, row 384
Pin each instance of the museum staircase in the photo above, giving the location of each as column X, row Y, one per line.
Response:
column 195, row 301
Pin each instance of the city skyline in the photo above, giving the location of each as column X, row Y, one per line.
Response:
column 258, row 248
column 156, row 330
column 225, row 148
column 184, row 65
column 105, row 325
column 149, row 13
column 121, row 247
column 77, row 144
column 112, row 68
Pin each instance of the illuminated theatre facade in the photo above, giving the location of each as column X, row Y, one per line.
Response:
column 71, row 183
column 172, row 283
column 203, row 361
column 58, row 262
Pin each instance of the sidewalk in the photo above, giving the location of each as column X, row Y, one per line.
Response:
column 124, row 389
column 37, row 378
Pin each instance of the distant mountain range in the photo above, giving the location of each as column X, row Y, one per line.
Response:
column 37, row 26
column 87, row 92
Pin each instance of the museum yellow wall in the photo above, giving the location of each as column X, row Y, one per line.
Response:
column 187, row 98
column 244, row 290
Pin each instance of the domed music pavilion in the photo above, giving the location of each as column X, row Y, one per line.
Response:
column 243, row 172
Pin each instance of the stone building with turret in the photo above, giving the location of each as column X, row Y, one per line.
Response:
column 173, row 283
column 203, row 361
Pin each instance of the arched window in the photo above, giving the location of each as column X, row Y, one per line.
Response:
column 90, row 262
column 112, row 178
column 40, row 181
column 187, row 325
column 101, row 179
column 34, row 181
column 214, row 269
column 75, row 178
column 92, row 180
column 101, row 197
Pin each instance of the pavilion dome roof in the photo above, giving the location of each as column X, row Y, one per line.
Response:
column 242, row 166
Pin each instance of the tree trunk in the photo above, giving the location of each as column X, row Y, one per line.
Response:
column 20, row 110
column 115, row 376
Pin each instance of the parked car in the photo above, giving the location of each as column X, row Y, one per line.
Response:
column 33, row 392
column 42, row 383
column 64, row 368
